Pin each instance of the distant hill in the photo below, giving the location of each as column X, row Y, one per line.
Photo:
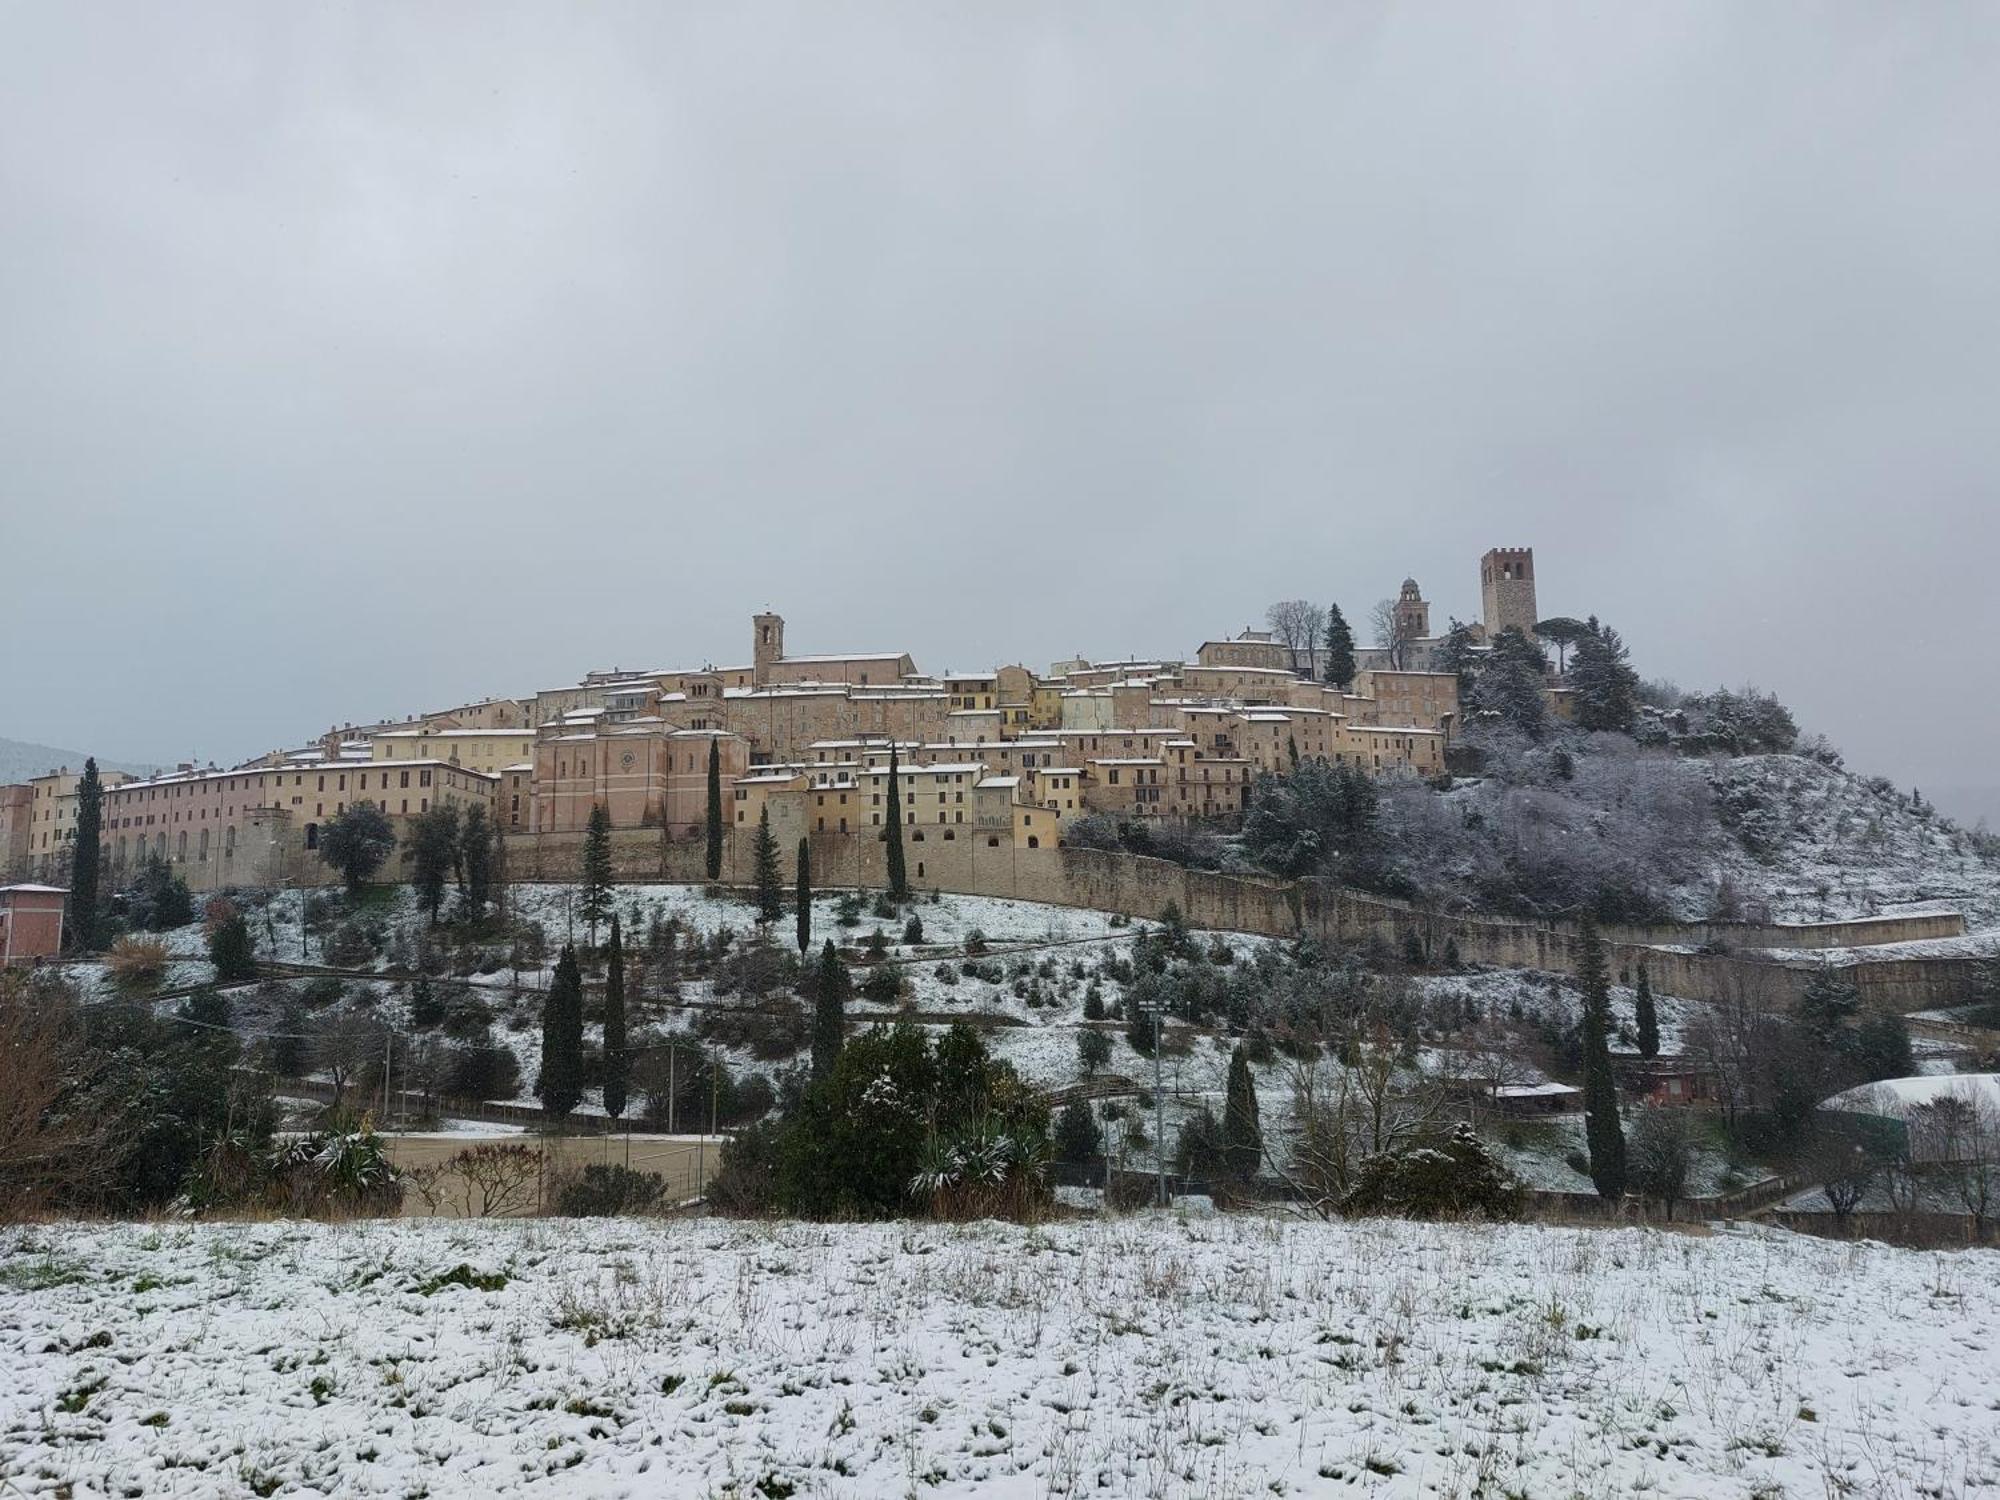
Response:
column 19, row 760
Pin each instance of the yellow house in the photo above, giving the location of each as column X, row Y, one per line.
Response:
column 487, row 750
column 51, row 815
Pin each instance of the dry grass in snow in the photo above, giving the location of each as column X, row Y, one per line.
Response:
column 1144, row 1358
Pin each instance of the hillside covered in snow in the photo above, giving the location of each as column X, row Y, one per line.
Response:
column 1648, row 834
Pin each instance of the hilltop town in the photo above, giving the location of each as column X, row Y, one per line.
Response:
column 1005, row 757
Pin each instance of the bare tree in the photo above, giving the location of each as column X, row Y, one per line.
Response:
column 498, row 1179
column 1297, row 623
column 53, row 1143
column 1957, row 1135
column 1844, row 1172
column 1390, row 632
column 1343, row 1115
column 1493, row 1062
column 344, row 1043
column 422, row 1069
column 1661, row 1154
column 1724, row 1040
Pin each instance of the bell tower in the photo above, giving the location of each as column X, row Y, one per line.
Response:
column 767, row 645
column 1413, row 613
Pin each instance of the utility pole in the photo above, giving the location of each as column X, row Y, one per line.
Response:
column 388, row 1054
column 1159, row 1110
column 670, row 1088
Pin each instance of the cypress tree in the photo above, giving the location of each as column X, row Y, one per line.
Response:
column 770, row 887
column 1646, row 1017
column 804, row 896
column 1602, row 1128
column 560, row 1086
column 899, row 878
column 617, row 1060
column 597, row 869
column 714, row 809
column 433, row 842
column 1292, row 750
column 1242, row 1134
column 476, row 845
column 1339, row 648
column 829, row 1011
column 85, row 859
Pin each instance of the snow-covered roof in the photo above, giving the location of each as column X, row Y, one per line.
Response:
column 451, row 734
column 1001, row 781
column 815, row 661
column 1894, row 1095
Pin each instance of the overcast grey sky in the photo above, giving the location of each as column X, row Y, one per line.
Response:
column 356, row 360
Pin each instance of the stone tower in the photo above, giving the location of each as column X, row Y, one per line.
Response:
column 768, row 645
column 1413, row 615
column 1507, row 590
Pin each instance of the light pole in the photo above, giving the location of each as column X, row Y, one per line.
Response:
column 1159, row 1110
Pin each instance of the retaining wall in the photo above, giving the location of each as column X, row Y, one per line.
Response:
column 1696, row 962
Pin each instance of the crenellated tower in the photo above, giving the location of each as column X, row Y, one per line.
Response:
column 1507, row 590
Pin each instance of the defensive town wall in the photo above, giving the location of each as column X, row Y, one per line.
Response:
column 1765, row 965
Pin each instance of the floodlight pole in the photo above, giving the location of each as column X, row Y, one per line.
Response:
column 1159, row 1111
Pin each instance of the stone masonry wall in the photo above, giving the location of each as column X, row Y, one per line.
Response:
column 1698, row 962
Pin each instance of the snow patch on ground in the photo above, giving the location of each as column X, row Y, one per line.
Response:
column 1162, row 1358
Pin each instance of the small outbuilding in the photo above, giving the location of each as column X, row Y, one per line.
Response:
column 31, row 923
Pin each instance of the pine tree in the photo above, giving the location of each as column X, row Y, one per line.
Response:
column 714, row 809
column 560, row 1086
column 899, row 879
column 86, row 859
column 1602, row 1128
column 1457, row 655
column 617, row 1060
column 230, row 949
column 1339, row 649
column 830, row 987
column 356, row 842
column 1093, row 1050
column 1242, row 1133
column 1078, row 1137
column 803, row 896
column 1607, row 689
column 597, row 869
column 764, row 861
column 1829, row 1002
column 426, row 1009
column 1646, row 1017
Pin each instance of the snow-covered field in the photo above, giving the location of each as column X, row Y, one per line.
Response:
column 1211, row 1357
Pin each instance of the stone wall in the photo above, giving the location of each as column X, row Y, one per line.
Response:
column 1699, row 962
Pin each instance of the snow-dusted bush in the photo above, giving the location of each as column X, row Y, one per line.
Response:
column 1445, row 1177
column 602, row 1189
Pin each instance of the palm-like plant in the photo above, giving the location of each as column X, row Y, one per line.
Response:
column 939, row 1169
